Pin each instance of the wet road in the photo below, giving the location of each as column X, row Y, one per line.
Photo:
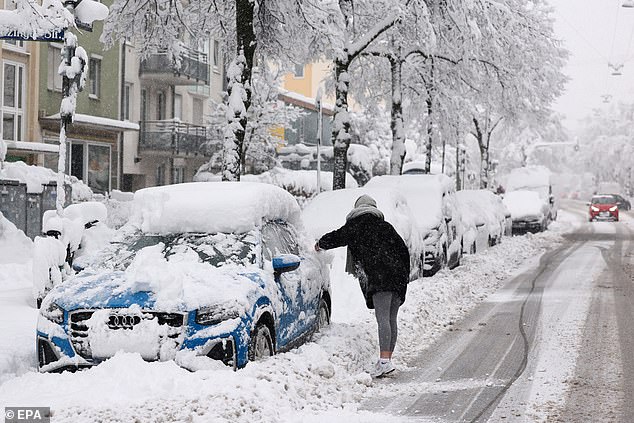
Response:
column 555, row 343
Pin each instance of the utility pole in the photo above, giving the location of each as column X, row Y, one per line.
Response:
column 319, row 136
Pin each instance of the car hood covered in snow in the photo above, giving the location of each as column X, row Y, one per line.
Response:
column 153, row 282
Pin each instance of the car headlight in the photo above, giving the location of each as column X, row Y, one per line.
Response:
column 596, row 209
column 53, row 312
column 613, row 208
column 213, row 315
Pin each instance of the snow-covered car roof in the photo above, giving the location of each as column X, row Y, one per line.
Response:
column 328, row 210
column 528, row 177
column 486, row 205
column 424, row 194
column 211, row 207
column 523, row 203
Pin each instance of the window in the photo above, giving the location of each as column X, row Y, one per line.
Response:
column 178, row 106
column 54, row 79
column 15, row 43
column 98, row 171
column 12, row 101
column 178, row 175
column 143, row 104
column 160, row 106
column 299, row 71
column 160, row 174
column 91, row 163
column 127, row 89
column 197, row 111
column 216, row 58
column 94, row 75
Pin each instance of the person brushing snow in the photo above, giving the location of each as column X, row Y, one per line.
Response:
column 379, row 258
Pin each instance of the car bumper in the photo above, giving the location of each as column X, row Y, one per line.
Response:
column 605, row 216
column 72, row 351
column 527, row 225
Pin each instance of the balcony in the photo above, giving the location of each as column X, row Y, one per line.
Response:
column 175, row 138
column 193, row 70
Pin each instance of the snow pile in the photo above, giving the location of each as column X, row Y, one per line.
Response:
column 211, row 207
column 14, row 245
column 80, row 233
column 119, row 207
column 36, row 176
column 524, row 204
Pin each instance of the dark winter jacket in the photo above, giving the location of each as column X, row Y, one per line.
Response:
column 379, row 253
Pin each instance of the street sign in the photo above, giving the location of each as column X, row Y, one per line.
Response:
column 54, row 35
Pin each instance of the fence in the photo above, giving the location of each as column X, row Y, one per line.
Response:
column 25, row 209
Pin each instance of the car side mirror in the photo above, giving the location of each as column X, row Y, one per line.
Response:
column 588, row 203
column 285, row 263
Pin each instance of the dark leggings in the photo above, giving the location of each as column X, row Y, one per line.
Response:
column 386, row 306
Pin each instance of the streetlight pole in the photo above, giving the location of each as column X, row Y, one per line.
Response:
column 319, row 136
column 70, row 87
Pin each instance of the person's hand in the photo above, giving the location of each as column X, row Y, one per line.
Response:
column 317, row 246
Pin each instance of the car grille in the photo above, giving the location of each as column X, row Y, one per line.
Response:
column 117, row 321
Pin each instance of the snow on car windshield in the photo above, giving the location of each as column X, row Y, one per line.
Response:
column 604, row 199
column 217, row 249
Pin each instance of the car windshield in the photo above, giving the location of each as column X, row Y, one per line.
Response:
column 603, row 200
column 217, row 249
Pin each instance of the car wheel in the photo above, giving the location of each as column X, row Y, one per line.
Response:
column 323, row 314
column 261, row 345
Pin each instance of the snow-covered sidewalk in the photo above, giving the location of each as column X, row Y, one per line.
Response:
column 325, row 379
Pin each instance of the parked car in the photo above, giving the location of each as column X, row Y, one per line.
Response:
column 622, row 202
column 528, row 212
column 488, row 213
column 432, row 199
column 203, row 271
column 603, row 207
column 538, row 179
column 394, row 206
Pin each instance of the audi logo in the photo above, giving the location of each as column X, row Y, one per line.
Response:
column 123, row 321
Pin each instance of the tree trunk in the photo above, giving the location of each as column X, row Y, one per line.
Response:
column 484, row 155
column 341, row 124
column 398, row 136
column 234, row 149
column 430, row 135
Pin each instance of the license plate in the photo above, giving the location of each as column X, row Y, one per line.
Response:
column 604, row 214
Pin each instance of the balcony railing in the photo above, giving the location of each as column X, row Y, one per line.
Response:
column 177, row 138
column 194, row 67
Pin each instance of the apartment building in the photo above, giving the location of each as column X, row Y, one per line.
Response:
column 171, row 102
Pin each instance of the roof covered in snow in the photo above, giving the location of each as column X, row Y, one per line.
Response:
column 211, row 207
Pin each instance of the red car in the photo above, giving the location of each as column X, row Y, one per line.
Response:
column 604, row 207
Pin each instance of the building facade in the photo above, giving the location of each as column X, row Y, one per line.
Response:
column 171, row 103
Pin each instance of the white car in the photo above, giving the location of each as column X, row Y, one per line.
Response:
column 328, row 210
column 489, row 215
column 528, row 212
column 432, row 199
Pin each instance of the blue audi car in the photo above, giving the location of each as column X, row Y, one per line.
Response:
column 203, row 272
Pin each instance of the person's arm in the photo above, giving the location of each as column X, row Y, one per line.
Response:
column 334, row 239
